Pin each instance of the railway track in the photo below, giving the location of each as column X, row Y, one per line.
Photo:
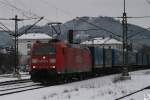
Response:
column 147, row 87
column 14, row 82
column 16, row 86
column 20, row 89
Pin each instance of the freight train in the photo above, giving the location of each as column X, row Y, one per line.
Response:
column 56, row 60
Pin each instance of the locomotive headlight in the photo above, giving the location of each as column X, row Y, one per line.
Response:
column 34, row 60
column 52, row 60
column 52, row 67
column 33, row 67
column 44, row 57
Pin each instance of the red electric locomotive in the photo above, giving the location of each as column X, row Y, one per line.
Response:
column 56, row 60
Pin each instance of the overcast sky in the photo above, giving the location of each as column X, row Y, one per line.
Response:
column 64, row 10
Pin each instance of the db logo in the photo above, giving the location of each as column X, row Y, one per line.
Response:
column 146, row 97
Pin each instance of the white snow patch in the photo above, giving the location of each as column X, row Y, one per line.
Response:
column 9, row 77
column 101, row 40
column 35, row 36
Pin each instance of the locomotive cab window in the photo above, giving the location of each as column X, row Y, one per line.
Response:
column 44, row 50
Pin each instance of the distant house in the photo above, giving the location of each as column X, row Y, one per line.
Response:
column 25, row 42
column 107, row 42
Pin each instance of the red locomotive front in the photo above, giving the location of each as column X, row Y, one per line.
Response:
column 54, row 61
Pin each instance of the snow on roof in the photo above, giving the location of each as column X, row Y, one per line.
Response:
column 101, row 40
column 35, row 36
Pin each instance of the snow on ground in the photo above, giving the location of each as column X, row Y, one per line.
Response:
column 143, row 95
column 8, row 77
column 103, row 88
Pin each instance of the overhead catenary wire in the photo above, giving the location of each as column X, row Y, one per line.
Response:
column 50, row 4
column 133, row 17
column 137, row 33
column 31, row 26
column 23, row 12
column 24, row 32
column 20, row 2
column 58, row 9
column 100, row 28
column 11, row 33
column 33, row 14
column 28, row 15
column 18, row 19
column 29, row 11
column 7, row 31
column 11, row 6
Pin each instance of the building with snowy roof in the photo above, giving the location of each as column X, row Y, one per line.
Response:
column 107, row 42
column 26, row 41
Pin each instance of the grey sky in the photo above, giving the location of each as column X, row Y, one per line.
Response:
column 63, row 10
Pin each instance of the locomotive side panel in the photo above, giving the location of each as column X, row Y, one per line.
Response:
column 59, row 59
column 76, row 60
column 86, row 55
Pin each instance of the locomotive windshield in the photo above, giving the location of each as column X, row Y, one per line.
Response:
column 43, row 50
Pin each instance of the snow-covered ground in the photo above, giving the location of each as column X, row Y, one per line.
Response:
column 8, row 77
column 103, row 88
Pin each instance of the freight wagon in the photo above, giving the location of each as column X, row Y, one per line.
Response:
column 106, row 61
